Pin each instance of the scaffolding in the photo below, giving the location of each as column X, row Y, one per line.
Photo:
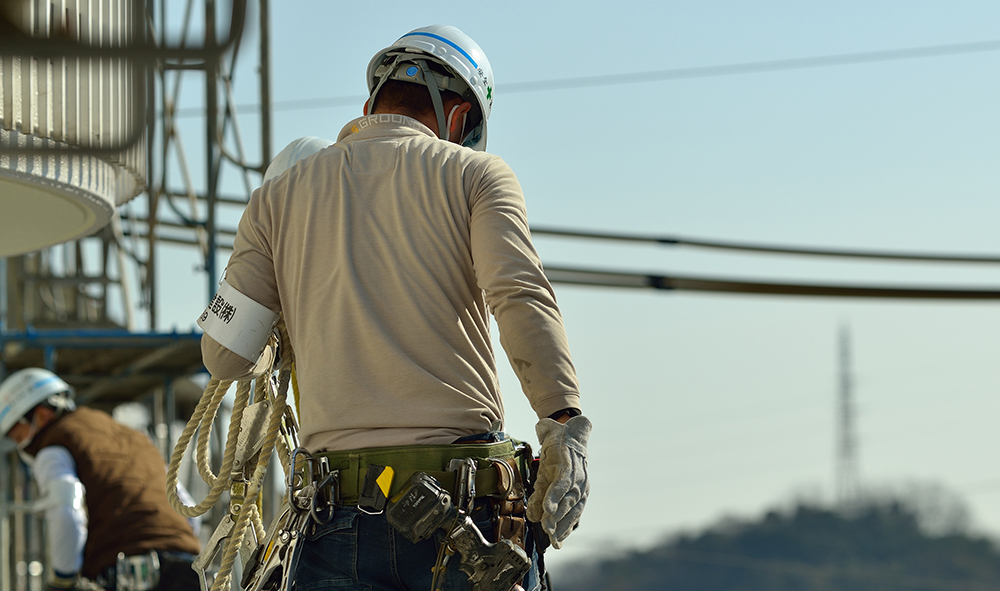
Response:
column 75, row 308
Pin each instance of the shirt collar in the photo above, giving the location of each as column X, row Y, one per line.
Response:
column 381, row 124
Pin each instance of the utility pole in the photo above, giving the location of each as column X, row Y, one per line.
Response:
column 846, row 475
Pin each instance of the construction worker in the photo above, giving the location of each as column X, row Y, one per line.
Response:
column 102, row 486
column 385, row 253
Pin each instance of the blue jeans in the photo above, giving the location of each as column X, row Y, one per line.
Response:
column 361, row 552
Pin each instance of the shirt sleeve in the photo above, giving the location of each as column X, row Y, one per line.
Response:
column 251, row 272
column 65, row 518
column 520, row 296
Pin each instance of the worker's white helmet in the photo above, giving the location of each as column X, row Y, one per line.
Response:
column 454, row 50
column 25, row 389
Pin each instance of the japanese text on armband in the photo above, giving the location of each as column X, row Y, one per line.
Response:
column 221, row 308
column 237, row 322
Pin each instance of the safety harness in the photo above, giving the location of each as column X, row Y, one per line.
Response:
column 317, row 484
column 260, row 423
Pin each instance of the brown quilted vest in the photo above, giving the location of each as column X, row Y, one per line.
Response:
column 126, row 484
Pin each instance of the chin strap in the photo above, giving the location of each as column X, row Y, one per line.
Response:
column 432, row 88
column 371, row 103
column 24, row 443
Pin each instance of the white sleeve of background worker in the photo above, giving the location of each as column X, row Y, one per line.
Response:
column 62, row 496
column 386, row 253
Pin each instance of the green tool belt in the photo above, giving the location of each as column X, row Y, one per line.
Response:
column 495, row 462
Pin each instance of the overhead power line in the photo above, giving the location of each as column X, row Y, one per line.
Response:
column 802, row 63
column 599, row 278
column 774, row 249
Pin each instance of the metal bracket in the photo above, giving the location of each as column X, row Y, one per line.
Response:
column 207, row 555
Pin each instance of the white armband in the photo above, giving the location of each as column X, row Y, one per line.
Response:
column 238, row 323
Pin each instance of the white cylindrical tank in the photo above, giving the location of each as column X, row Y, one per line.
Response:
column 68, row 101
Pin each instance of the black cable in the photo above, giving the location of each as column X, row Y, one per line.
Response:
column 774, row 249
column 801, row 63
column 599, row 278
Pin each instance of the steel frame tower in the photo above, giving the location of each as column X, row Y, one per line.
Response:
column 72, row 307
column 846, row 477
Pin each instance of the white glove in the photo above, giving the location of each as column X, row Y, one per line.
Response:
column 562, row 487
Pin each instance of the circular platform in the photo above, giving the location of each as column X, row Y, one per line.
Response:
column 52, row 198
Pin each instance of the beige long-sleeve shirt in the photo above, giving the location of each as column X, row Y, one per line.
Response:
column 386, row 252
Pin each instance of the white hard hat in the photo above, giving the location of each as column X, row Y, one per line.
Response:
column 299, row 149
column 25, row 389
column 454, row 50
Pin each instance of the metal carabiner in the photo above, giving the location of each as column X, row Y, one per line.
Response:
column 305, row 478
column 327, row 492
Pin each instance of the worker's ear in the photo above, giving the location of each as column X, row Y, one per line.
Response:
column 366, row 107
column 456, row 121
column 44, row 415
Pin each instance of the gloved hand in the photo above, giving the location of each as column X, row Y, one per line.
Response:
column 562, row 487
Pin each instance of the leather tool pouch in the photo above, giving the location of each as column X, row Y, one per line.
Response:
column 510, row 501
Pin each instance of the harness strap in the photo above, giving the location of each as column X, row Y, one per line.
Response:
column 492, row 478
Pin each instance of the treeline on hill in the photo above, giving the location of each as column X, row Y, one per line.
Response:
column 880, row 546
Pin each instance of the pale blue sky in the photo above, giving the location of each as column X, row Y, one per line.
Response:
column 706, row 405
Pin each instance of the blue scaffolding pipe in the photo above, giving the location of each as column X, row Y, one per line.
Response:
column 50, row 341
column 95, row 338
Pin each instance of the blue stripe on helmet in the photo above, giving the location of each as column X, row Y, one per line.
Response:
column 43, row 382
column 449, row 42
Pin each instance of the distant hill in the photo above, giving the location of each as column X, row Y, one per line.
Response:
column 881, row 547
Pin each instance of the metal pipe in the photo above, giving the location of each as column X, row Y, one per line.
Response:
column 5, row 549
column 3, row 295
column 179, row 225
column 265, row 86
column 211, row 129
column 170, row 414
column 152, row 193
column 50, row 358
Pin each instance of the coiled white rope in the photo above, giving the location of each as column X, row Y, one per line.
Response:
column 202, row 421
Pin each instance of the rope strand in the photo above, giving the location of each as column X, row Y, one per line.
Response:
column 202, row 421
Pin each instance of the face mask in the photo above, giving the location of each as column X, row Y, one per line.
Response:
column 21, row 445
column 32, row 431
